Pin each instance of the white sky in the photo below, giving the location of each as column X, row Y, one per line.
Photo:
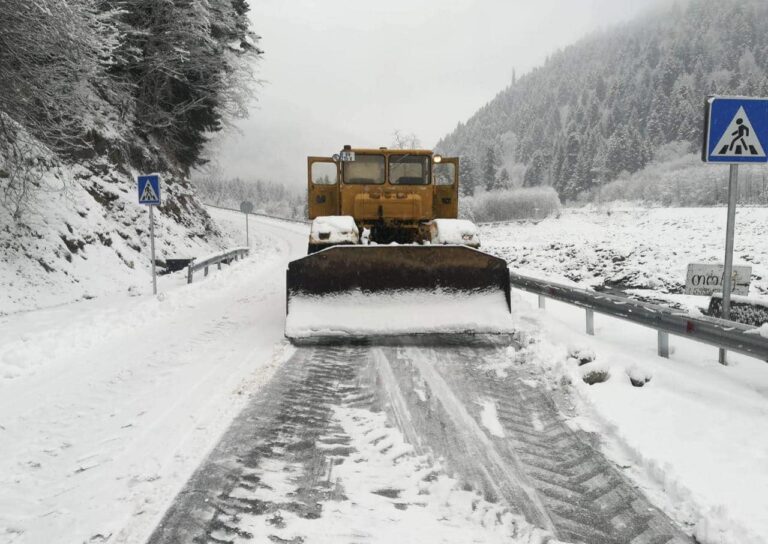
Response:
column 351, row 72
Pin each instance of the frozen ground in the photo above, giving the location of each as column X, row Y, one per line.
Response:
column 108, row 405
column 644, row 251
column 89, row 238
column 689, row 436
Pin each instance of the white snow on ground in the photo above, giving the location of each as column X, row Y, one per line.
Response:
column 636, row 248
column 694, row 436
column 392, row 495
column 490, row 418
column 86, row 236
column 398, row 313
column 107, row 406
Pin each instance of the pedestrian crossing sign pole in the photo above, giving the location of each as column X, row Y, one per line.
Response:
column 735, row 132
column 149, row 195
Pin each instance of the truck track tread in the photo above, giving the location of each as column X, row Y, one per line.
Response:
column 540, row 467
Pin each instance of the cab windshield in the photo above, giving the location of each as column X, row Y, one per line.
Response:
column 409, row 169
column 364, row 170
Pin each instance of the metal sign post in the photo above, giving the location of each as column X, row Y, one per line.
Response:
column 735, row 132
column 246, row 207
column 729, row 236
column 152, row 247
column 149, row 195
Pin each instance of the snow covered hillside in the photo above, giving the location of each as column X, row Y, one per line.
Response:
column 638, row 250
column 86, row 236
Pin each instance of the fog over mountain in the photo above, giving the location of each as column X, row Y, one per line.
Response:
column 615, row 100
column 364, row 70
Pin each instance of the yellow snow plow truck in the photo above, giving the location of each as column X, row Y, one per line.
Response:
column 388, row 258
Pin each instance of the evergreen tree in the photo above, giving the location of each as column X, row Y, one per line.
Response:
column 467, row 175
column 489, row 169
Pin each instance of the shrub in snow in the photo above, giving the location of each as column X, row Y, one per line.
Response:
column 596, row 376
column 746, row 310
column 638, row 376
column 582, row 355
column 510, row 205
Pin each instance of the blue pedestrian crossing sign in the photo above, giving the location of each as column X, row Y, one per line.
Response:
column 736, row 130
column 149, row 190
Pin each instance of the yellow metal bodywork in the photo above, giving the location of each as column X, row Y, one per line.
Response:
column 405, row 207
column 403, row 213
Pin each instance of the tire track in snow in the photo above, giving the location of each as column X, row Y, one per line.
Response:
column 587, row 499
column 274, row 475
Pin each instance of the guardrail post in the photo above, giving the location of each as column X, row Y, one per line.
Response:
column 218, row 264
column 663, row 344
column 590, row 322
column 542, row 302
column 206, row 270
column 189, row 273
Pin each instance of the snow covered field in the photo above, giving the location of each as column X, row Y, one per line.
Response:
column 634, row 249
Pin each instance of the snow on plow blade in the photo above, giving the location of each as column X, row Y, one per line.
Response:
column 399, row 294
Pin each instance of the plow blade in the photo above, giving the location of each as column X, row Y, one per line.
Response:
column 398, row 294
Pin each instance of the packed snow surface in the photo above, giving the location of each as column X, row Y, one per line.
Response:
column 107, row 406
column 687, row 429
column 398, row 313
column 392, row 494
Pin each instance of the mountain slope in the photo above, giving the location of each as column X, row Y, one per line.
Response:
column 606, row 104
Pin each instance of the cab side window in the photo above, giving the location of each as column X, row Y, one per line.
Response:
column 324, row 173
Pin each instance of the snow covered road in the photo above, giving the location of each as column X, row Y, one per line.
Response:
column 110, row 408
column 385, row 444
column 107, row 406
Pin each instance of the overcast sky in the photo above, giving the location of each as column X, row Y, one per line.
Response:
column 352, row 72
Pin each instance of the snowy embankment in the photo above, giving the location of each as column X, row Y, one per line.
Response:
column 87, row 237
column 108, row 405
column 643, row 251
column 692, row 435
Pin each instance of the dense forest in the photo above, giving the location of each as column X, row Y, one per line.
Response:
column 604, row 108
column 137, row 83
column 268, row 197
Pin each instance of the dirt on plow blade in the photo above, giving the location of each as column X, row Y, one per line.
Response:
column 400, row 294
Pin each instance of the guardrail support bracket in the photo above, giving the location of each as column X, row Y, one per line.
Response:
column 590, row 322
column 663, row 344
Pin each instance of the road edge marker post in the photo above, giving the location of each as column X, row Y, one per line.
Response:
column 740, row 129
column 149, row 195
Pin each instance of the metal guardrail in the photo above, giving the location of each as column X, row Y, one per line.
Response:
column 716, row 332
column 227, row 257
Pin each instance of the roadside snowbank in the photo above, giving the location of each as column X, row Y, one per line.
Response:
column 691, row 436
